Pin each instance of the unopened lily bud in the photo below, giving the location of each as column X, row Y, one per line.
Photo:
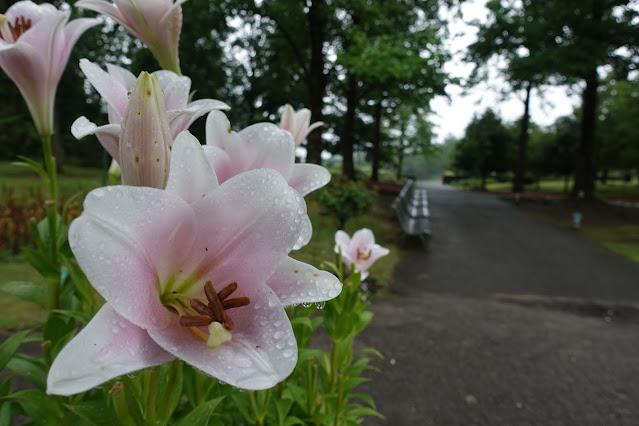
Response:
column 145, row 141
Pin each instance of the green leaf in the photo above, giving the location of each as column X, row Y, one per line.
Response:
column 41, row 263
column 27, row 291
column 42, row 408
column 96, row 412
column 5, row 412
column 364, row 411
column 30, row 164
column 30, row 368
column 283, row 406
column 10, row 346
column 201, row 414
column 77, row 315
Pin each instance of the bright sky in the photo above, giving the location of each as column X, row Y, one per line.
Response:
column 452, row 116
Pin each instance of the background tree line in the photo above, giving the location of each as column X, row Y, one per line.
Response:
column 369, row 70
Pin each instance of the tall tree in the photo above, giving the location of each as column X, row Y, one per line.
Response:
column 483, row 149
column 512, row 37
column 588, row 35
column 393, row 50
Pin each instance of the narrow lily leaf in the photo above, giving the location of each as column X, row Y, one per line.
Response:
column 96, row 412
column 26, row 290
column 81, row 285
column 10, row 346
column 30, row 368
column 283, row 406
column 40, row 407
column 201, row 414
column 77, row 315
column 5, row 412
column 30, row 164
column 41, row 263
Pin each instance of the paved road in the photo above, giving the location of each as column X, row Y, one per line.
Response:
column 482, row 245
column 455, row 356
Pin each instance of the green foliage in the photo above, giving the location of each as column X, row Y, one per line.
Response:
column 483, row 149
column 345, row 199
column 619, row 109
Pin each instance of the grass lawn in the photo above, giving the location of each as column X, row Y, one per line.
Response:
column 17, row 313
column 614, row 228
column 612, row 189
column 24, row 183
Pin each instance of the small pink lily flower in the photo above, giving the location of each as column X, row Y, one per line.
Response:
column 361, row 251
column 198, row 271
column 298, row 123
column 261, row 145
column 157, row 23
column 115, row 86
column 145, row 142
column 35, row 44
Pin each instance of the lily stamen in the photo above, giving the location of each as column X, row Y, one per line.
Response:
column 235, row 302
column 215, row 303
column 203, row 309
column 226, row 291
column 215, row 310
column 195, row 320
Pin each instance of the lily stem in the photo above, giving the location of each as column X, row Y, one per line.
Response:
column 151, row 380
column 51, row 206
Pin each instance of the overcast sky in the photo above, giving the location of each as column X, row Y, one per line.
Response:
column 452, row 116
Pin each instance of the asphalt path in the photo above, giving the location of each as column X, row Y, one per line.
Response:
column 454, row 355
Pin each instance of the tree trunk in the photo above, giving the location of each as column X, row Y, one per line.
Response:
column 484, row 173
column 347, row 138
column 400, row 163
column 585, row 168
column 520, row 169
column 316, row 78
column 377, row 141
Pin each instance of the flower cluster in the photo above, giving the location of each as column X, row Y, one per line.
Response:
column 190, row 253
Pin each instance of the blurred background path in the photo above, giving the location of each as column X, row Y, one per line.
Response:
column 455, row 355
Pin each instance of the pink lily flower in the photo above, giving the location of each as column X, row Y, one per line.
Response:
column 261, row 145
column 361, row 251
column 115, row 86
column 198, row 271
column 157, row 23
column 35, row 44
column 298, row 123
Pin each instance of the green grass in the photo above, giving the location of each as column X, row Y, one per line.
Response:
column 24, row 183
column 17, row 313
column 612, row 189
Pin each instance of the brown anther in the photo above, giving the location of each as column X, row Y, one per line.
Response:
column 236, row 302
column 228, row 323
column 195, row 320
column 18, row 28
column 203, row 309
column 214, row 302
column 226, row 291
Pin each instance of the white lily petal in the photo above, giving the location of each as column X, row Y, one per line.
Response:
column 109, row 346
column 192, row 176
column 296, row 282
column 126, row 241
column 306, row 178
column 307, row 233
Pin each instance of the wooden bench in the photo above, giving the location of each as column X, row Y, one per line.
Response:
column 411, row 209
